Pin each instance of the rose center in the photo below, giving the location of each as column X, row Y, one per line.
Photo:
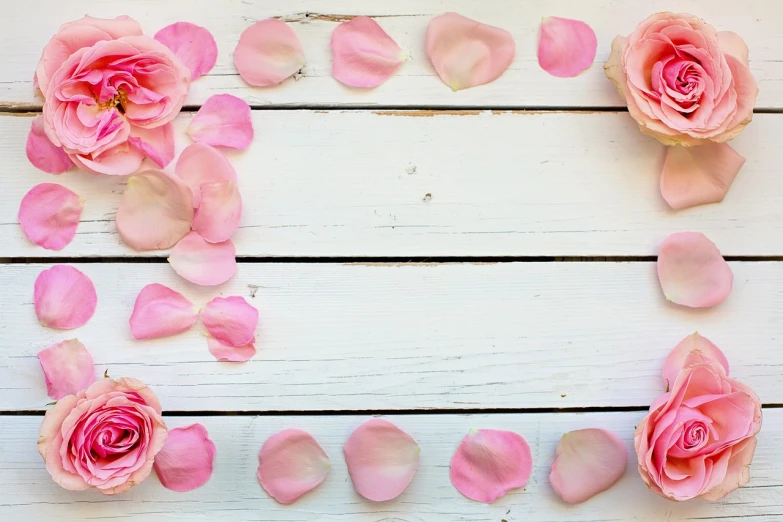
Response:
column 118, row 100
column 695, row 435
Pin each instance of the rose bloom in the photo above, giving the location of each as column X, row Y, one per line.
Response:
column 683, row 81
column 109, row 92
column 104, row 437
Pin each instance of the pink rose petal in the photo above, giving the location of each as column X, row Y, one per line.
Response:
column 732, row 44
column 67, row 367
column 192, row 44
column 588, row 462
column 159, row 311
column 217, row 217
column 692, row 271
column 123, row 160
column 697, row 175
column 155, row 211
column 363, row 54
column 203, row 263
column 268, row 52
column 157, row 144
column 676, row 360
column 565, row 47
column 44, row 154
column 466, row 53
column 64, row 297
column 201, row 163
column 290, row 464
column 489, row 463
column 223, row 121
column 228, row 353
column 381, row 459
column 185, row 462
column 230, row 320
column 49, row 215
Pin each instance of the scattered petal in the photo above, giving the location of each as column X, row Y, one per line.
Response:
column 565, row 47
column 44, row 154
column 489, row 463
column 49, row 215
column 201, row 163
column 676, row 360
column 155, row 211
column 185, row 462
column 64, row 297
column 382, row 459
column 192, row 44
column 697, row 175
column 67, row 367
column 363, row 54
column 692, row 271
column 466, row 53
column 230, row 320
column 228, row 353
column 157, row 144
column 217, row 217
column 159, row 311
column 203, row 263
column 268, row 52
column 223, row 121
column 588, row 462
column 290, row 464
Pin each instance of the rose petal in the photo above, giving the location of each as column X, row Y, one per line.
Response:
column 363, row 54
column 49, row 215
column 268, row 52
column 185, row 462
column 159, row 311
column 588, row 462
column 120, row 161
column 290, row 464
column 381, row 459
column 466, row 53
column 217, row 217
column 192, row 44
column 155, row 211
column 692, row 272
column 67, row 367
column 565, row 47
column 228, row 353
column 676, row 360
column 44, row 154
column 223, row 121
column 732, row 44
column 698, row 175
column 201, row 163
column 64, row 297
column 230, row 320
column 157, row 144
column 203, row 263
column 488, row 463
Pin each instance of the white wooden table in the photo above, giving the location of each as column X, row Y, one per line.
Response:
column 449, row 260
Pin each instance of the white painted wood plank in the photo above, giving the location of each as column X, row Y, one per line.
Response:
column 28, row 25
column 233, row 492
column 373, row 337
column 356, row 184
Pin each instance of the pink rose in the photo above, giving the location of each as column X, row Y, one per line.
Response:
column 104, row 437
column 683, row 81
column 699, row 437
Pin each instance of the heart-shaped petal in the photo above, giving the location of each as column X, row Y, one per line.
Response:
column 363, row 54
column 159, row 311
column 192, row 44
column 565, row 47
column 64, row 297
column 201, row 163
column 186, row 460
column 44, row 154
column 676, row 360
column 157, row 143
column 228, row 353
column 223, row 121
column 67, row 367
column 230, row 320
column 203, row 263
column 49, row 215
column 218, row 214
column 268, row 52
column 290, row 464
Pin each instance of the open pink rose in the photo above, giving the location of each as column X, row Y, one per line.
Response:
column 104, row 437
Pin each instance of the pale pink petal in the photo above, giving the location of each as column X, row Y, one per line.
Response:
column 44, row 154
column 732, row 44
column 159, row 311
column 185, row 462
column 692, row 272
column 698, row 175
column 230, row 320
column 64, row 297
column 217, row 217
column 381, row 459
column 565, row 47
column 192, row 44
column 122, row 160
column 155, row 211
column 678, row 356
column 466, row 53
column 223, row 121
column 290, row 464
column 201, row 163
column 268, row 52
column 489, row 463
column 588, row 462
column 228, row 353
column 157, row 143
column 203, row 263
column 363, row 54
column 67, row 367
column 49, row 215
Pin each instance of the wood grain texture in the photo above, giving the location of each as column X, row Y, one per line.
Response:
column 523, row 85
